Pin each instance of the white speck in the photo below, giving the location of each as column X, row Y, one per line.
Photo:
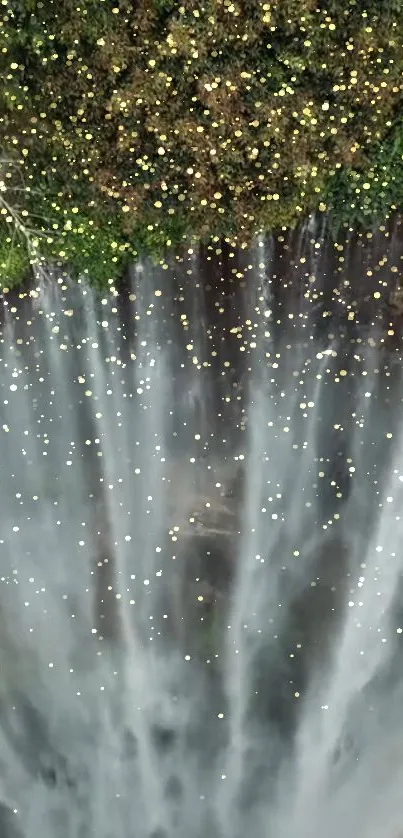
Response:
column 146, row 582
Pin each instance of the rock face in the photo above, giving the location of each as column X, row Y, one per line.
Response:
column 203, row 498
column 9, row 823
column 202, row 505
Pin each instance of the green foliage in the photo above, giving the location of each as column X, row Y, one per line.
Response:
column 95, row 251
column 162, row 6
column 14, row 259
column 363, row 199
column 138, row 125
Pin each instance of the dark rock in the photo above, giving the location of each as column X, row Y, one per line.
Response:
column 174, row 788
column 163, row 738
column 9, row 823
column 159, row 832
column 129, row 745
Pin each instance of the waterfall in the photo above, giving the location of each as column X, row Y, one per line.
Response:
column 201, row 485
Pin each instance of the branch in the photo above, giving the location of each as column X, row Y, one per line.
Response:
column 20, row 227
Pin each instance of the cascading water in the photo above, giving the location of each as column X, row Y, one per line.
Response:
column 201, row 484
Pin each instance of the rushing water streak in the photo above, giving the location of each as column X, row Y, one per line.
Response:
column 200, row 553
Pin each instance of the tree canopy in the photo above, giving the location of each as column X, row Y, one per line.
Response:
column 136, row 125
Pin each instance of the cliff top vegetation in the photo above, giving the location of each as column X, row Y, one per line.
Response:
column 131, row 126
